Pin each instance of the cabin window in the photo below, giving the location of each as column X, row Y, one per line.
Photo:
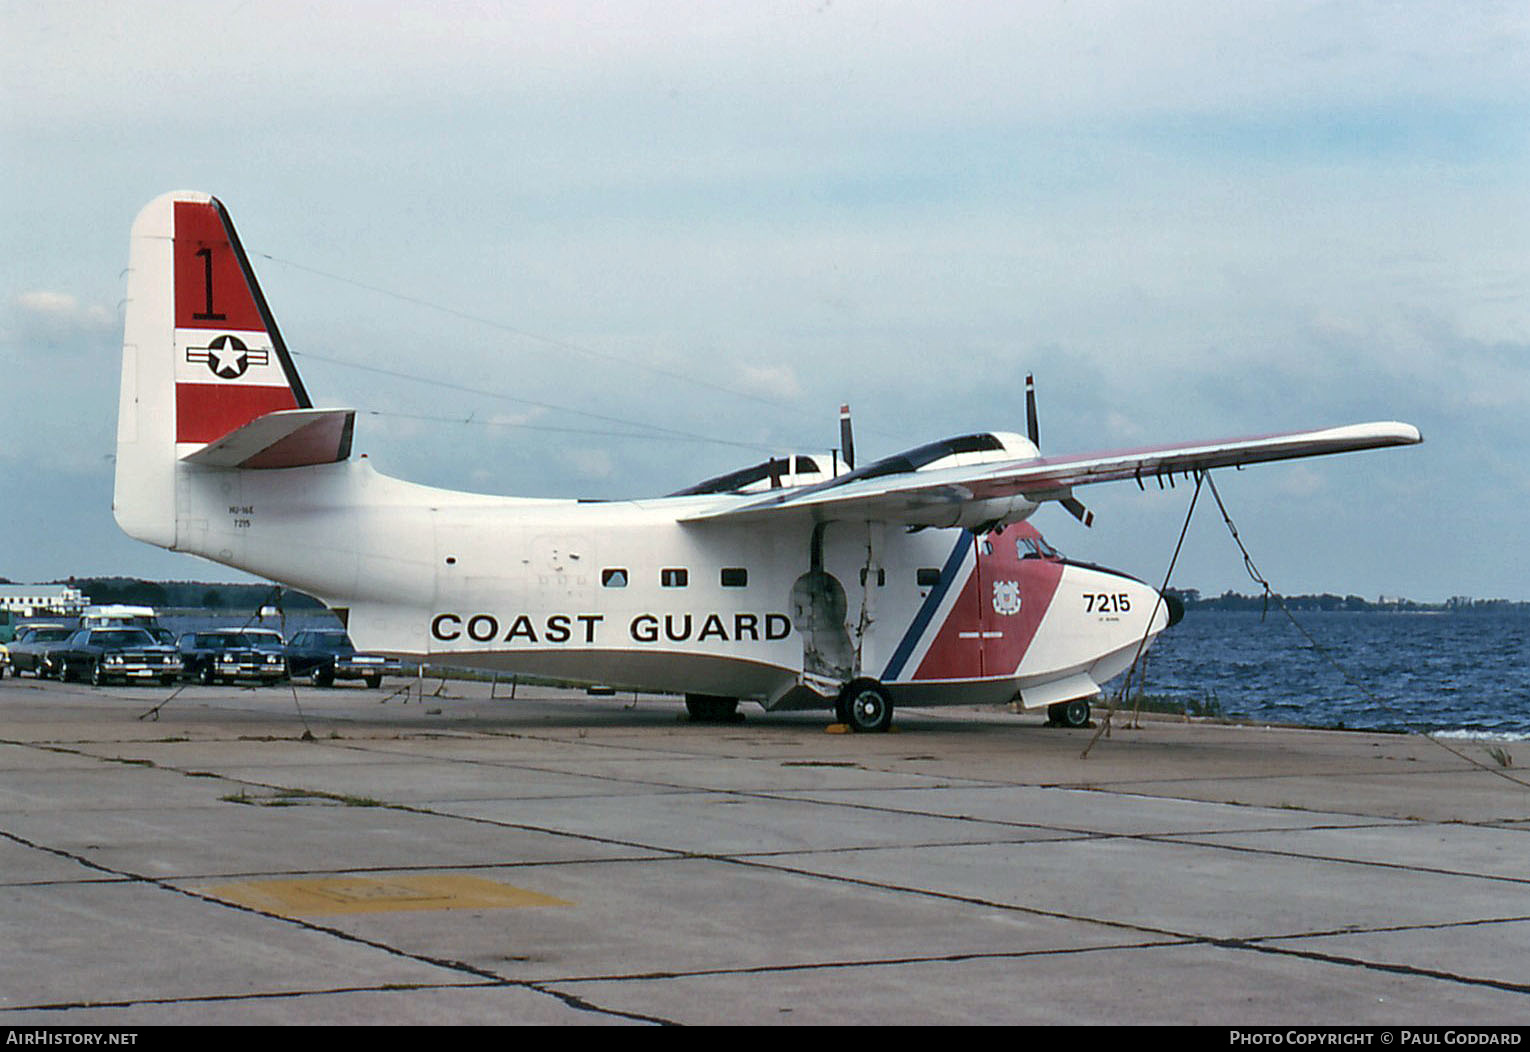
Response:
column 613, row 577
column 674, row 578
column 735, row 577
column 928, row 577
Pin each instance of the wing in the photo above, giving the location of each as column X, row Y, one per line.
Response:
column 984, row 494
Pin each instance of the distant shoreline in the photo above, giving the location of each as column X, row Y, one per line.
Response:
column 1328, row 601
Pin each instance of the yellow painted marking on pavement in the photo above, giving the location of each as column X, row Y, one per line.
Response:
column 311, row 897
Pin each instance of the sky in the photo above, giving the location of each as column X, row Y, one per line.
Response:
column 608, row 250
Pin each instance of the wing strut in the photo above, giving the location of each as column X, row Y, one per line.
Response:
column 1125, row 689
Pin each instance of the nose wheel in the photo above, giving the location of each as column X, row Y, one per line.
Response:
column 1073, row 713
column 865, row 706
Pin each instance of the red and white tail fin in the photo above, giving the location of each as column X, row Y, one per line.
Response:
column 231, row 365
column 202, row 360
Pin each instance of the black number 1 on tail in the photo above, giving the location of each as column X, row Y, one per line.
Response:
column 208, row 314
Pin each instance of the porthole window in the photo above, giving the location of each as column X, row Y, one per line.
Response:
column 613, row 577
column 735, row 577
column 674, row 578
column 928, row 577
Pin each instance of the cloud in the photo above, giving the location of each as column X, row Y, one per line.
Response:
column 779, row 381
column 1299, row 482
column 56, row 320
column 589, row 463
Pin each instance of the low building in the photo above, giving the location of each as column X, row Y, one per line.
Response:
column 30, row 600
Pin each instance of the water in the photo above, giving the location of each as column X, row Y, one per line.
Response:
column 1463, row 673
column 179, row 621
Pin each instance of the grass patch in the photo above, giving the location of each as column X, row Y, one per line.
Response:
column 1205, row 707
column 300, row 797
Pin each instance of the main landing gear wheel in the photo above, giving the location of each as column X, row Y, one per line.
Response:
column 865, row 706
column 711, row 708
column 1073, row 713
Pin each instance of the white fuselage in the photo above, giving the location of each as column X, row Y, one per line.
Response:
column 624, row 593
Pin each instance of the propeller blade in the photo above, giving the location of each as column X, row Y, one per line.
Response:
column 846, row 437
column 1032, row 430
column 1077, row 510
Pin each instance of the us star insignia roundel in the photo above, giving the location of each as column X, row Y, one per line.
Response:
column 227, row 356
column 1006, row 597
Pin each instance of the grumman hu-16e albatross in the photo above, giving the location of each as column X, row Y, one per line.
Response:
column 800, row 583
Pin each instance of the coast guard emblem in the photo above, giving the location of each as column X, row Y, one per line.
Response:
column 1006, row 597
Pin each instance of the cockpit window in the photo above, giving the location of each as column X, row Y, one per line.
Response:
column 1035, row 548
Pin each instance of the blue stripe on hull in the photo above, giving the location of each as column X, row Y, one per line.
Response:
column 927, row 609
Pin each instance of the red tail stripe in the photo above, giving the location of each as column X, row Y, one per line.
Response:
column 210, row 287
column 204, row 412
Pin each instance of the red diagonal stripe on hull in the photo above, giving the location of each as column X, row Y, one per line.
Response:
column 950, row 656
column 1038, row 579
column 1009, row 635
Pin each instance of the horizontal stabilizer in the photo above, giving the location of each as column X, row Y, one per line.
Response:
column 288, row 438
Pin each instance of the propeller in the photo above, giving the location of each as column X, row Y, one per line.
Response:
column 1033, row 432
column 1077, row 510
column 846, row 437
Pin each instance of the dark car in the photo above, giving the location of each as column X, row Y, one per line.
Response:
column 327, row 654
column 32, row 644
column 228, row 654
column 105, row 654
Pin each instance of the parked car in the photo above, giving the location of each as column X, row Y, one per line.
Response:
column 327, row 654
column 105, row 654
column 31, row 646
column 118, row 615
column 229, row 654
